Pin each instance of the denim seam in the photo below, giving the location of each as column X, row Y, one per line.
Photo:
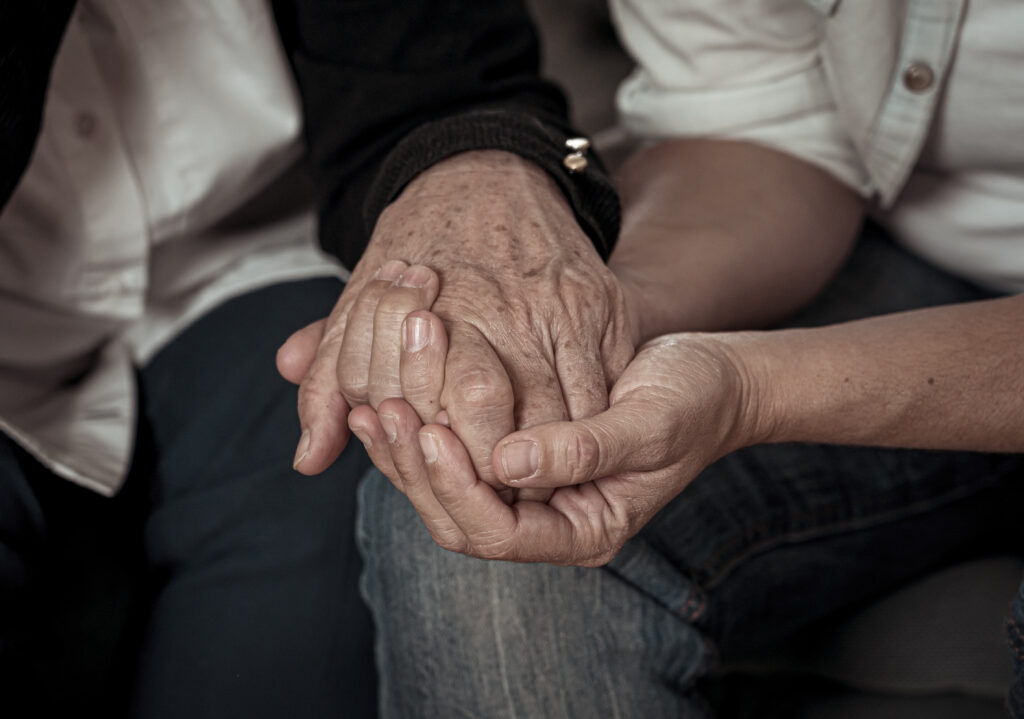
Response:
column 708, row 579
column 694, row 606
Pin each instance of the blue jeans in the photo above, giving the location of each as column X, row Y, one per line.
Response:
column 764, row 542
column 218, row 582
column 1015, row 630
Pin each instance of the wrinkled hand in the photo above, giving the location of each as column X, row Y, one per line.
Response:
column 684, row 401
column 537, row 326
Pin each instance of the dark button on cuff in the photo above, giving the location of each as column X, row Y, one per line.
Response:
column 918, row 77
column 576, row 161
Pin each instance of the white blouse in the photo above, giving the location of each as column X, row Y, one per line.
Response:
column 918, row 104
column 165, row 181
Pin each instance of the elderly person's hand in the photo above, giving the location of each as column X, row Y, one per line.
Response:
column 537, row 325
column 945, row 378
column 679, row 405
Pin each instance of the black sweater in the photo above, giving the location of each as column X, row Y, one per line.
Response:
column 388, row 88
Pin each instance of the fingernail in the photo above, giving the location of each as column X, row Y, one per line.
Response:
column 520, row 460
column 303, row 449
column 443, row 418
column 415, row 276
column 363, row 437
column 428, row 444
column 390, row 425
column 417, row 334
column 391, row 270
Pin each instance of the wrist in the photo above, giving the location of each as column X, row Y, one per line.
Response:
column 589, row 191
column 482, row 172
column 754, row 419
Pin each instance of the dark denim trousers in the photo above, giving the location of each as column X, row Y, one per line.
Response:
column 764, row 542
column 219, row 582
column 1015, row 630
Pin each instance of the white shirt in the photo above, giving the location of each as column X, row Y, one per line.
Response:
column 963, row 206
column 164, row 182
column 827, row 81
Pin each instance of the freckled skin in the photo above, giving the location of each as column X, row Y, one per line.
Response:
column 513, row 264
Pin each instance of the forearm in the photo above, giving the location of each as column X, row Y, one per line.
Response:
column 724, row 235
column 943, row 378
column 390, row 89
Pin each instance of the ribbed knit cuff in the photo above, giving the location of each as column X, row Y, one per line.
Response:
column 589, row 191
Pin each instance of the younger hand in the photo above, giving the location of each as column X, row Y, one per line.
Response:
column 683, row 402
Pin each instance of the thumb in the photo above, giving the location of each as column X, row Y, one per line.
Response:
column 631, row 436
column 296, row 355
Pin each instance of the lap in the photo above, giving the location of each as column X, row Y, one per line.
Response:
column 218, row 433
column 723, row 570
column 764, row 541
column 249, row 595
column 254, row 559
column 774, row 537
column 505, row 640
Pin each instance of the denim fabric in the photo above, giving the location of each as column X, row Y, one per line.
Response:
column 219, row 582
column 1015, row 630
column 762, row 543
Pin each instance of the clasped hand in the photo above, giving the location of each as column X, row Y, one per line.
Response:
column 676, row 408
column 536, row 325
column 490, row 411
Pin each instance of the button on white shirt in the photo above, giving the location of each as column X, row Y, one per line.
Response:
column 163, row 183
column 918, row 104
column 963, row 206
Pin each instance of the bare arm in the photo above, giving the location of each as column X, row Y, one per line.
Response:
column 943, row 378
column 724, row 235
column 720, row 235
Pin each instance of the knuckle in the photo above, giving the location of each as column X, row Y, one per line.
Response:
column 491, row 544
column 480, row 390
column 315, row 389
column 367, row 301
column 379, row 393
column 582, row 456
column 396, row 304
column 489, row 550
column 601, row 551
column 424, row 401
column 444, row 494
column 450, row 541
column 418, row 387
column 600, row 559
column 354, row 390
